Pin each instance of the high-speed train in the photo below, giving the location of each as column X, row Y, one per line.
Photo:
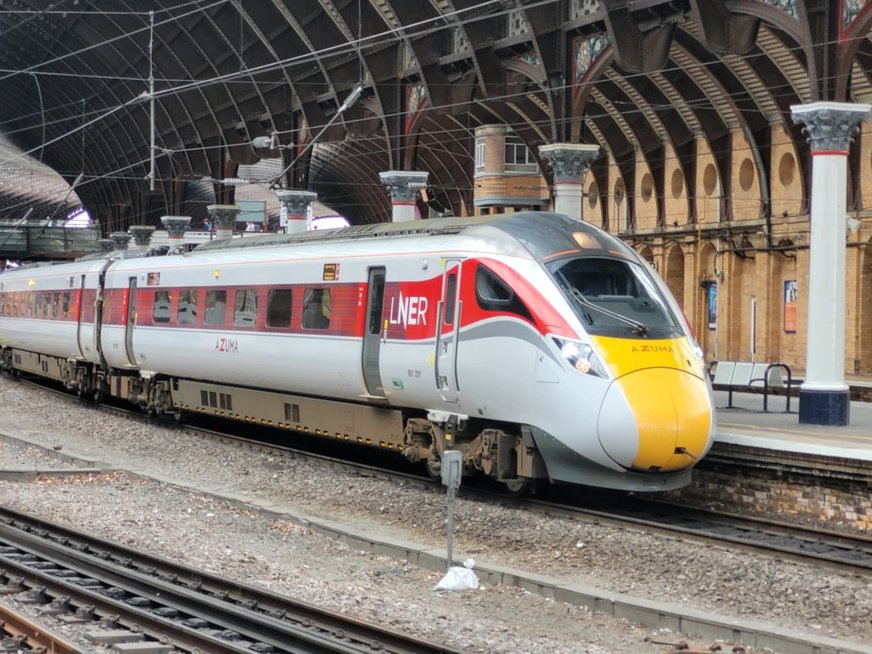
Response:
column 539, row 346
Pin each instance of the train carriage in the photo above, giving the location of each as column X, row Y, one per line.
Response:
column 539, row 346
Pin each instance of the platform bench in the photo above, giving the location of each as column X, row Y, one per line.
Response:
column 747, row 376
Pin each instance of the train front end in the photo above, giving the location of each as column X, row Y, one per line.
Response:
column 633, row 409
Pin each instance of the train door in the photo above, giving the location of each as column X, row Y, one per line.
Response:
column 448, row 332
column 81, row 294
column 130, row 322
column 372, row 333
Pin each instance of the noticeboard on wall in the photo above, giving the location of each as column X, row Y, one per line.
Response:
column 790, row 290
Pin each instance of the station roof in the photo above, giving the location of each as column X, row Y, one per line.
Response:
column 637, row 78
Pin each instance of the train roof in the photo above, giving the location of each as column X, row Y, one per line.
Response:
column 545, row 235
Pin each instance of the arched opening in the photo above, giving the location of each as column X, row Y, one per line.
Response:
column 864, row 365
column 706, row 319
column 675, row 273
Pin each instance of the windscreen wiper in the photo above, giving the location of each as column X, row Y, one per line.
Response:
column 638, row 328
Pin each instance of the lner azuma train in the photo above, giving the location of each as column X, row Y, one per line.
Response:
column 540, row 346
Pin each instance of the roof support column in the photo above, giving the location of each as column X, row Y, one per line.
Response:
column 569, row 162
column 403, row 185
column 824, row 398
column 296, row 204
column 176, row 227
column 224, row 218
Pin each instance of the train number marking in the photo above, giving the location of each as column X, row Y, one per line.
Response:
column 414, row 374
column 223, row 344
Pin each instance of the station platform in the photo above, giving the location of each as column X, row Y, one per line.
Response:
column 746, row 425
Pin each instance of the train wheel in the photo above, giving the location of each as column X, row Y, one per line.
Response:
column 518, row 487
column 434, row 469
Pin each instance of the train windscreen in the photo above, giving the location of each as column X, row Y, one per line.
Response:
column 614, row 297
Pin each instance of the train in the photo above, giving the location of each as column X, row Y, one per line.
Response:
column 541, row 347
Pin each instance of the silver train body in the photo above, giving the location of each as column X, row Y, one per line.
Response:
column 541, row 347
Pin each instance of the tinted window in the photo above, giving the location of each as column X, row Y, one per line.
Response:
column 216, row 307
column 162, row 306
column 493, row 294
column 187, row 314
column 450, row 297
column 278, row 307
column 317, row 308
column 245, row 308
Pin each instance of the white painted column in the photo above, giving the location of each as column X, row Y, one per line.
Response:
column 824, row 397
column 403, row 186
column 296, row 204
column 569, row 162
column 224, row 218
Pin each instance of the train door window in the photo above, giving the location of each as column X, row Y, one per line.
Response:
column 161, row 310
column 278, row 307
column 2, row 304
column 493, row 294
column 187, row 313
column 245, row 308
column 216, row 307
column 378, row 298
column 65, row 305
column 450, row 298
column 317, row 308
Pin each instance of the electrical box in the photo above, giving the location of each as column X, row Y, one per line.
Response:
column 452, row 468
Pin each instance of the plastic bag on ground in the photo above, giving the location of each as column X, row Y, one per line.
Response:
column 458, row 578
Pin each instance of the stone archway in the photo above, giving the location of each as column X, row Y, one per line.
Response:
column 675, row 273
column 646, row 253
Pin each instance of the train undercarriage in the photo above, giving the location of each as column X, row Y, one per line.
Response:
column 505, row 453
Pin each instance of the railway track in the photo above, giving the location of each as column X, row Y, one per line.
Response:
column 71, row 572
column 22, row 635
column 839, row 550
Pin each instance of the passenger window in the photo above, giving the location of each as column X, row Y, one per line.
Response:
column 317, row 308
column 65, row 308
column 216, row 307
column 245, row 308
column 31, row 303
column 56, row 305
column 278, row 307
column 493, row 294
column 187, row 313
column 161, row 310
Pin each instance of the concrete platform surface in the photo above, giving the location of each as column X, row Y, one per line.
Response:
column 747, row 425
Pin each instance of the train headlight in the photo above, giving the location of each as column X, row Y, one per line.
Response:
column 581, row 357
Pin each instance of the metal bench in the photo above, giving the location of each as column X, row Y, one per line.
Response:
column 747, row 376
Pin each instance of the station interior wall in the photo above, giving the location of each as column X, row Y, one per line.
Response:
column 757, row 261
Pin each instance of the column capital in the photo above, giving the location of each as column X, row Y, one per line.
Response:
column 403, row 185
column 142, row 234
column 120, row 240
column 830, row 126
column 224, row 218
column 175, row 225
column 569, row 161
column 296, row 201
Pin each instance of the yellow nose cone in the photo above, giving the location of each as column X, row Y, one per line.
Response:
column 673, row 416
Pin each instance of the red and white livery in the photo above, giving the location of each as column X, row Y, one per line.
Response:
column 539, row 346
